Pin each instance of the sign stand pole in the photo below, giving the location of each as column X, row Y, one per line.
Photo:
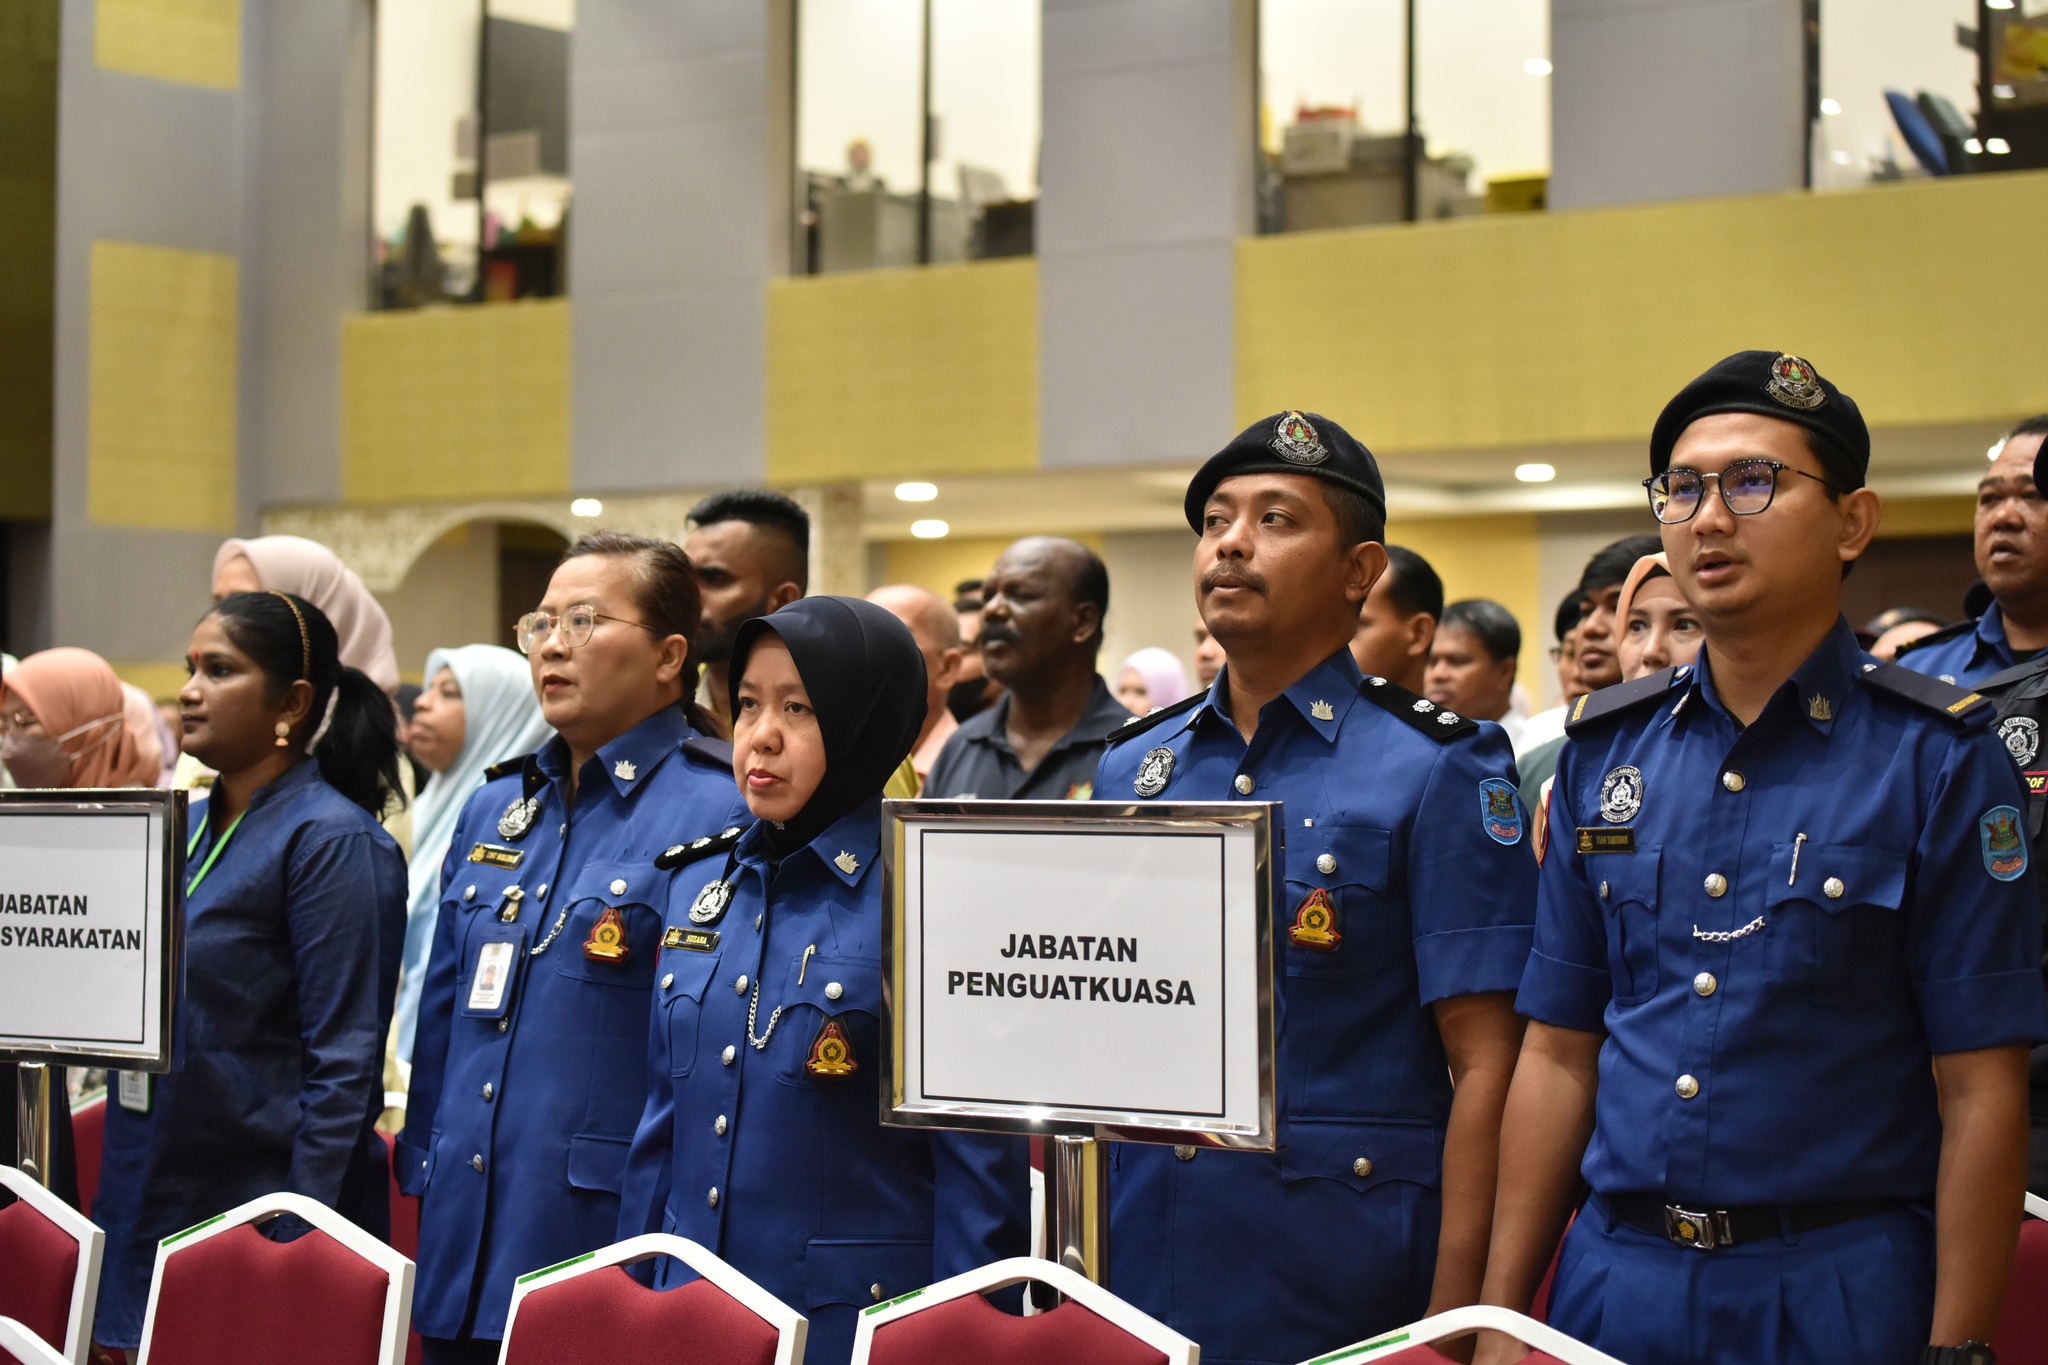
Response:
column 1080, row 1207
column 32, row 1120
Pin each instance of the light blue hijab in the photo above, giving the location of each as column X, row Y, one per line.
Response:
column 501, row 720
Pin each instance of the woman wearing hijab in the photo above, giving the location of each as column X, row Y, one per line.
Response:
column 1659, row 628
column 476, row 710
column 308, row 569
column 761, row 1136
column 1150, row 679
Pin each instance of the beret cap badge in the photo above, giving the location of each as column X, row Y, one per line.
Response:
column 1794, row 384
column 1295, row 440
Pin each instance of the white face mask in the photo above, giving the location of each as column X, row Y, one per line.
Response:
column 35, row 759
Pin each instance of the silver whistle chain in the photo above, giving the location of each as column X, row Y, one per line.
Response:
column 1727, row 935
column 537, row 949
column 753, row 1005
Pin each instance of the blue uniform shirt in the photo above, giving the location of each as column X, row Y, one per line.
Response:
column 775, row 1157
column 291, row 959
column 529, row 1069
column 1966, row 657
column 1794, row 917
column 1401, row 823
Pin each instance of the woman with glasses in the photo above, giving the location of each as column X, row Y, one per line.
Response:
column 530, row 1058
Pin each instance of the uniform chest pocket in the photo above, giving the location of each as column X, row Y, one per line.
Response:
column 610, row 928
column 680, row 1001
column 1627, row 885
column 1833, row 935
column 830, row 1032
column 1338, row 919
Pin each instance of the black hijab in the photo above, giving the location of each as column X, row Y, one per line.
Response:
column 866, row 681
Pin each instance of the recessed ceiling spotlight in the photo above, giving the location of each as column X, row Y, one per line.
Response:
column 1997, row 146
column 1831, row 107
column 1537, row 472
column 930, row 528
column 1537, row 66
column 916, row 491
column 1972, row 146
column 586, row 507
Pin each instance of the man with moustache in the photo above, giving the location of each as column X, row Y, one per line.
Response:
column 1786, row 961
column 1408, row 901
column 1041, row 627
column 751, row 549
column 2012, row 559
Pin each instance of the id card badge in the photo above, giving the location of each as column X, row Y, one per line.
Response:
column 500, row 951
column 131, row 1090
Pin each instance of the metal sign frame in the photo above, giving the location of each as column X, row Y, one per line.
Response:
column 1169, row 818
column 166, row 812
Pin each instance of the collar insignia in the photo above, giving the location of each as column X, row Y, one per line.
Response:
column 846, row 863
column 1322, row 710
column 624, row 770
column 1820, row 708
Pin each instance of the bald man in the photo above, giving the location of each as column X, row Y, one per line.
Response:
column 936, row 628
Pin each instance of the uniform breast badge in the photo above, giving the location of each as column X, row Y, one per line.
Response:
column 1153, row 772
column 1315, row 924
column 831, row 1052
column 709, row 907
column 2022, row 736
column 518, row 817
column 1621, row 795
column 607, row 941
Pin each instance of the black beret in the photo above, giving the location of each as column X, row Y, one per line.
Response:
column 2041, row 465
column 1292, row 443
column 1772, row 384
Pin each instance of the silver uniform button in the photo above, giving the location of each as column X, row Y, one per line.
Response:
column 876, row 1290
column 488, row 1091
column 1326, row 864
column 476, row 1163
column 1603, row 891
column 1362, row 1167
column 504, row 1025
column 1733, row 780
column 739, row 987
column 469, row 892
column 1704, row 984
column 1717, row 885
column 833, row 990
column 1833, row 889
column 718, row 1125
column 619, row 886
column 1243, row 784
column 1184, row 1153
column 542, row 892
column 1687, row 1087
column 668, row 980
column 726, row 1057
column 711, row 1196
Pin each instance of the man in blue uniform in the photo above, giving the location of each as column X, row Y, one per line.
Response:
column 2012, row 559
column 1786, row 895
column 1409, row 897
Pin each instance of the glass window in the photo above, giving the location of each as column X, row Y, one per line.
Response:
column 865, row 196
column 1482, row 91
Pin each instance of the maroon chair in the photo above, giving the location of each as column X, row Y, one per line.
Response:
column 49, row 1267
column 88, row 1141
column 953, row 1321
column 2022, row 1336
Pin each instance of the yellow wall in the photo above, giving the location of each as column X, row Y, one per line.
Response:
column 198, row 42
column 1496, row 557
column 1529, row 329
column 160, row 444
column 1928, row 517
column 902, row 372
column 448, row 403
column 936, row 565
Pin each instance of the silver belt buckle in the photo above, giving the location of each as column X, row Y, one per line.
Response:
column 1701, row 1229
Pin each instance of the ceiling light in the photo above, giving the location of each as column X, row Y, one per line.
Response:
column 916, row 491
column 1831, row 106
column 931, row 528
column 1972, row 146
column 1840, row 158
column 1998, row 4
column 586, row 507
column 2002, row 92
column 1537, row 66
column 1535, row 473
column 1997, row 146
column 1997, row 448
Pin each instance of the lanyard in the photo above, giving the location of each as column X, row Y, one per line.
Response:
column 192, row 886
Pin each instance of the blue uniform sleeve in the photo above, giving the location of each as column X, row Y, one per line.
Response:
column 1568, row 981
column 981, row 1193
column 1973, row 931
column 1471, row 874
column 649, row 1164
column 333, row 912
column 430, row 1040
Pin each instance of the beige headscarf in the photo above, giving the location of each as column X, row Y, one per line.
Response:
column 145, row 731
column 1638, row 573
column 70, row 688
column 296, row 565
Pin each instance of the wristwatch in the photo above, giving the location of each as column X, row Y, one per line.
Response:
column 1969, row 1353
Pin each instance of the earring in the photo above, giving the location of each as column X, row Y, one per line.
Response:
column 284, row 735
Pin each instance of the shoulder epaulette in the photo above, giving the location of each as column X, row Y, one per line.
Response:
column 2016, row 677
column 1945, row 634
column 1138, row 725
column 681, row 855
column 1420, row 712
column 504, row 767
column 1930, row 693
column 713, row 751
column 1621, row 697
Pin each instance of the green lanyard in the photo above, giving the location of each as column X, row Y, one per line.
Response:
column 192, row 886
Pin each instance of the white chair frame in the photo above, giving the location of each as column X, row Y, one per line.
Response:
column 27, row 1347
column 2036, row 1207
column 398, row 1270
column 1458, row 1322
column 791, row 1327
column 1018, row 1270
column 92, row 1246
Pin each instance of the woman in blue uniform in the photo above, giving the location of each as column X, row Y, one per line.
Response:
column 529, row 1059
column 294, row 915
column 762, row 1138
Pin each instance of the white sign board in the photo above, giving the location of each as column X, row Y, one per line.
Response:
column 1081, row 968
column 89, row 926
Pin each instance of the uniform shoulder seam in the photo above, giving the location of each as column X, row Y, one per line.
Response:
column 1419, row 712
column 1612, row 701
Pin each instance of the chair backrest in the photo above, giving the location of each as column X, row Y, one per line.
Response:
column 20, row 1345
column 2022, row 1336
column 590, row 1311
column 951, row 1321
column 1411, row 1345
column 224, row 1291
column 88, row 1143
column 49, row 1266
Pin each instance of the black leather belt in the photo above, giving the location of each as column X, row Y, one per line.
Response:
column 1706, row 1229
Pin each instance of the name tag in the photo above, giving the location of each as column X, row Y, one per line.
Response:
column 1599, row 840
column 131, row 1089
column 696, row 940
column 493, row 971
column 497, row 855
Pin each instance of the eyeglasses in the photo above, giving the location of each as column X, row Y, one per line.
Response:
column 1747, row 487
column 574, row 627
